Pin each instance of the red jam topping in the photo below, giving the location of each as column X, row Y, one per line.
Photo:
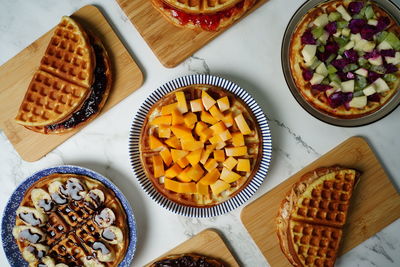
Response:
column 209, row 22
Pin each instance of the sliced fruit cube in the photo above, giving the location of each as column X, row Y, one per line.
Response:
column 166, row 156
column 236, row 151
column 155, row 143
column 210, row 177
column 243, row 165
column 206, row 153
column 202, row 189
column 206, row 117
column 223, row 103
column 183, row 176
column 200, row 126
column 207, row 100
column 194, row 157
column 237, row 139
column 185, row 188
column 219, row 155
column 230, row 163
column 158, row 166
column 164, row 131
column 182, row 132
column 177, row 117
column 173, row 171
column 190, row 120
column 182, row 162
column 205, row 135
column 182, row 105
column 216, row 113
column 167, row 109
column 225, row 135
column 196, row 105
column 178, row 154
column 195, row 172
column 220, row 145
column 215, row 139
column 218, row 128
column 162, row 120
column 211, row 164
column 192, row 145
column 173, row 142
column 242, row 124
column 219, row 186
column 229, row 176
column 228, row 120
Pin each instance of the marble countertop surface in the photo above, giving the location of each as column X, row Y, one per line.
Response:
column 248, row 54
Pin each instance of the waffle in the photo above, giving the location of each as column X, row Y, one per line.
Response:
column 81, row 223
column 313, row 214
column 190, row 259
column 252, row 141
column 209, row 15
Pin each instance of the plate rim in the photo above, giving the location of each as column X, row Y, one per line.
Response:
column 13, row 254
column 232, row 203
column 390, row 106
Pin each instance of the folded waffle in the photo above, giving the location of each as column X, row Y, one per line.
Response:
column 71, row 219
column 71, row 84
column 209, row 15
column 190, row 259
column 311, row 217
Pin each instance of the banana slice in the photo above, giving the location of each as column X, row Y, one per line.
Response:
column 112, row 235
column 31, row 216
column 74, row 189
column 91, row 262
column 105, row 218
column 34, row 252
column 42, row 200
column 55, row 193
column 104, row 254
column 28, row 233
column 94, row 199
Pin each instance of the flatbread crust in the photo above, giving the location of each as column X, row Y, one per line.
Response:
column 318, row 99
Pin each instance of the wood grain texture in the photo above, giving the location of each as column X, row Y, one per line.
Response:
column 208, row 243
column 16, row 74
column 170, row 44
column 375, row 203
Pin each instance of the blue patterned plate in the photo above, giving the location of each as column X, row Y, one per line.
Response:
column 231, row 203
column 10, row 246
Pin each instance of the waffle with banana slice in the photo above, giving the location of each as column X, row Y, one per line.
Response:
column 71, row 220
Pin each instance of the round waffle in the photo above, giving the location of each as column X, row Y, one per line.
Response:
column 190, row 259
column 194, row 192
column 71, row 219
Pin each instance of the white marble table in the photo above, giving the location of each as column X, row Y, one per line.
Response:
column 248, row 54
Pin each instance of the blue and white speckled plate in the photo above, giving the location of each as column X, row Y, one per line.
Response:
column 10, row 246
column 233, row 202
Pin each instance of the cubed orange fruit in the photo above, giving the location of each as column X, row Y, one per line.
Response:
column 194, row 157
column 242, row 124
column 182, row 105
column 200, row 126
column 218, row 128
column 155, row 143
column 219, row 155
column 206, row 153
column 216, row 113
column 220, row 145
column 190, row 120
column 219, row 186
column 178, row 154
column 230, row 163
column 196, row 105
column 195, row 172
column 192, row 145
column 225, row 135
column 173, row 171
column 237, row 139
column 182, row 132
column 158, row 166
column 207, row 100
column 210, row 177
column 236, row 151
column 229, row 176
column 223, row 103
column 243, row 165
column 183, row 176
column 228, row 119
column 166, row 156
column 202, row 189
column 178, row 187
column 177, row 117
column 207, row 118
column 205, row 135
column 215, row 139
column 161, row 120
column 182, row 162
column 167, row 109
column 164, row 131
column 173, row 142
column 211, row 164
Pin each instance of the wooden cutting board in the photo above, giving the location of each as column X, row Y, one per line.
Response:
column 375, row 203
column 170, row 44
column 208, row 243
column 16, row 74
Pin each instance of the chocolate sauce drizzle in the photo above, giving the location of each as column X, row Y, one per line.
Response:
column 184, row 261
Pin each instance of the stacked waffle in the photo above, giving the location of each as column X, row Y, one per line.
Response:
column 71, row 84
column 200, row 145
column 209, row 15
column 71, row 220
column 311, row 218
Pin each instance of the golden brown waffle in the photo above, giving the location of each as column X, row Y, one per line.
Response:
column 189, row 259
column 312, row 216
column 252, row 142
column 83, row 222
column 202, row 6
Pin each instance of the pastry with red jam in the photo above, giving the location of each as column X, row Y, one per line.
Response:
column 208, row 15
column 345, row 56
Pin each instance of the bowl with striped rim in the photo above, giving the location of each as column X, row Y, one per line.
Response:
column 239, row 198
